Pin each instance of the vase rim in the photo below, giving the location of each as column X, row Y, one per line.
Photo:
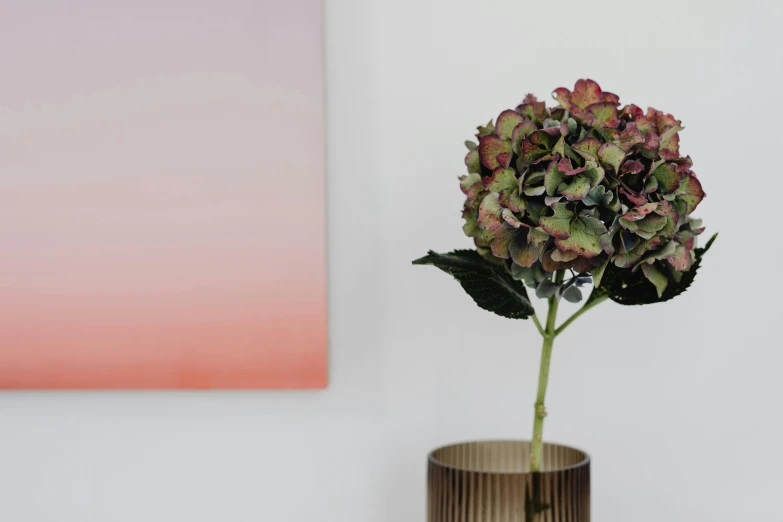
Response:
column 434, row 460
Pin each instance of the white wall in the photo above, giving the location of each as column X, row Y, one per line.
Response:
column 678, row 403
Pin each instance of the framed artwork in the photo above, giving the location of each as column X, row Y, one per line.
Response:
column 162, row 221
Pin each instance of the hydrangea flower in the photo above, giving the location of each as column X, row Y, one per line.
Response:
column 588, row 186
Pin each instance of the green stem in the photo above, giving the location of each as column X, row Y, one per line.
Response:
column 536, row 447
column 579, row 312
column 549, row 332
column 538, row 325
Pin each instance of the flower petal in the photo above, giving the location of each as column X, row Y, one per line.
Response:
column 558, row 225
column 611, row 155
column 489, row 213
column 586, row 92
column 656, row 277
column 506, row 123
column 490, row 148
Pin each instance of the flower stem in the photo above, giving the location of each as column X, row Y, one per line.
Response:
column 579, row 312
column 536, row 447
column 538, row 325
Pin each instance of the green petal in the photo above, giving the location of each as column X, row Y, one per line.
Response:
column 501, row 239
column 594, row 173
column 466, row 182
column 512, row 201
column 598, row 195
column 501, row 179
column 668, row 177
column 656, row 277
column 485, row 130
column 632, row 288
column 489, row 213
column 553, row 178
column 534, row 191
column 506, row 123
column 471, row 186
column 605, row 112
column 520, row 132
column 586, row 92
column 681, row 259
column 524, row 253
column 558, row 225
column 584, row 238
column 473, row 162
column 690, row 193
column 539, row 145
column 538, row 236
column 576, row 189
column 629, row 137
column 490, row 148
column 670, row 140
column 665, row 252
column 611, row 155
column 651, row 223
column 593, row 225
column 587, row 148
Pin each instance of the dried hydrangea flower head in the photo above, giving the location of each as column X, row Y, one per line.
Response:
column 589, row 187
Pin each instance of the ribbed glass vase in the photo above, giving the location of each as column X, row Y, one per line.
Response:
column 489, row 481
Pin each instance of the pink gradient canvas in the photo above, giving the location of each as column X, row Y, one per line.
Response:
column 162, row 218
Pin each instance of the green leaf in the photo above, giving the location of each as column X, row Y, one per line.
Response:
column 490, row 286
column 598, row 273
column 598, row 292
column 633, row 288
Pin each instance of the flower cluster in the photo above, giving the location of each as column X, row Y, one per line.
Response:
column 584, row 186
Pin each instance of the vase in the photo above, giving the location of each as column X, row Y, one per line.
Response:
column 490, row 481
